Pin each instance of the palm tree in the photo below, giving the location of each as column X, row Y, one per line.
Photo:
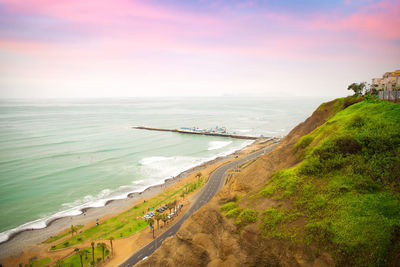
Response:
column 158, row 218
column 164, row 218
column 150, row 221
column 170, row 206
column 80, row 253
column 92, row 244
column 111, row 240
column 103, row 247
column 86, row 252
column 74, row 229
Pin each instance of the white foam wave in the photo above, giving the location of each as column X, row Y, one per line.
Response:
column 138, row 182
column 165, row 167
column 38, row 224
column 214, row 145
column 151, row 160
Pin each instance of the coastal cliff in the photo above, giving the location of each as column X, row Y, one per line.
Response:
column 327, row 195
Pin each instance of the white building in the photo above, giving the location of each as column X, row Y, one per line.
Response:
column 389, row 81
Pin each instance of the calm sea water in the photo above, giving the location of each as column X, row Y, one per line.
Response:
column 58, row 156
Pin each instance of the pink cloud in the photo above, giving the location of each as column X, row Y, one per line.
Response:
column 20, row 46
column 103, row 11
column 378, row 20
column 134, row 26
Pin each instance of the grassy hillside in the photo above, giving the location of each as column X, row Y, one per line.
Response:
column 344, row 196
column 327, row 195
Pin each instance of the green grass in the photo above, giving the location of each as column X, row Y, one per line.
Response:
column 75, row 261
column 127, row 223
column 346, row 189
column 57, row 237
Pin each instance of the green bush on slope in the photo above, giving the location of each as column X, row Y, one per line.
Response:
column 231, row 209
column 347, row 187
column 246, row 216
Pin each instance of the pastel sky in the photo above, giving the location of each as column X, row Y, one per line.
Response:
column 128, row 48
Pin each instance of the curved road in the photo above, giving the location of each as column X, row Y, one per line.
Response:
column 209, row 190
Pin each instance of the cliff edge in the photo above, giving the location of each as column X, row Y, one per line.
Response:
column 327, row 195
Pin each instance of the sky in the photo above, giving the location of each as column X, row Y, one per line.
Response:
column 129, row 48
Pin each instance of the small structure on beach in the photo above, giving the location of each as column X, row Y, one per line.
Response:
column 216, row 130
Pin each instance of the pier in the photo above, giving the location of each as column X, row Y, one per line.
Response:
column 200, row 133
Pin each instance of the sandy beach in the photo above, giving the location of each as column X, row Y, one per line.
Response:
column 26, row 243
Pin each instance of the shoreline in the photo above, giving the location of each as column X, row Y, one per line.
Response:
column 13, row 245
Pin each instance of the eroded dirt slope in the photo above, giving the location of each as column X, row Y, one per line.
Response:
column 209, row 239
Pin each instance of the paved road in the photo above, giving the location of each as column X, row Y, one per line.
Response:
column 214, row 184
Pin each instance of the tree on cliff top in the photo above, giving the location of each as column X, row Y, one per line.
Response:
column 357, row 88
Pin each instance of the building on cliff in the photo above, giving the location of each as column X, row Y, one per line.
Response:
column 390, row 81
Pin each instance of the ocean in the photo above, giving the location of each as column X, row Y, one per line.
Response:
column 59, row 156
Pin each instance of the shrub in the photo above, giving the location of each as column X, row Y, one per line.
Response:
column 356, row 121
column 247, row 216
column 303, row 142
column 347, row 145
column 311, row 166
column 268, row 191
column 233, row 213
column 318, row 231
column 229, row 206
column 270, row 219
